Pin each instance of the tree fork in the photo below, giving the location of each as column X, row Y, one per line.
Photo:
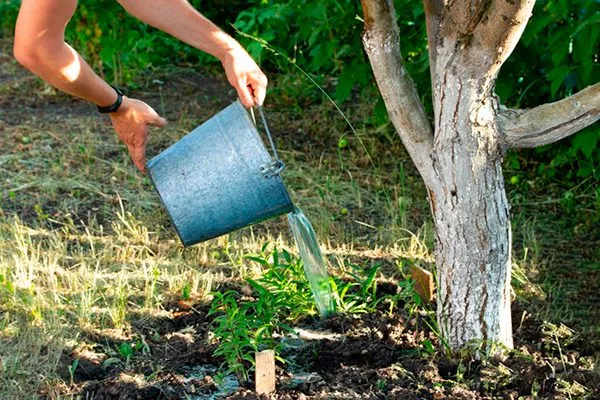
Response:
column 460, row 160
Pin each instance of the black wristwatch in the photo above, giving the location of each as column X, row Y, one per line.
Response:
column 115, row 106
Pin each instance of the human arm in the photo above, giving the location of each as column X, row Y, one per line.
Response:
column 179, row 19
column 40, row 47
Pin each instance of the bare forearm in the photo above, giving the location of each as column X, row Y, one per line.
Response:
column 67, row 71
column 179, row 19
column 40, row 47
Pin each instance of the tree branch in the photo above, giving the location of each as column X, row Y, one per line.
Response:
column 502, row 26
column 433, row 10
column 490, row 29
column 381, row 39
column 550, row 122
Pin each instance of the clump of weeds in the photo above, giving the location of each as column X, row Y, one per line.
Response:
column 281, row 296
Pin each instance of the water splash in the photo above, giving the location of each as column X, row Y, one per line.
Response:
column 314, row 267
column 225, row 388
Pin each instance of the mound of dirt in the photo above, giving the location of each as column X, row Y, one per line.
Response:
column 369, row 356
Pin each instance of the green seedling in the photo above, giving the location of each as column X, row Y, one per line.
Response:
column 242, row 328
column 428, row 347
column 186, row 291
column 281, row 296
column 72, row 369
column 126, row 351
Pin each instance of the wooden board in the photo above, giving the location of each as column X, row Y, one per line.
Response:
column 265, row 372
column 424, row 285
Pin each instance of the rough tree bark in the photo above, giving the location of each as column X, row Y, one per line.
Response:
column 460, row 157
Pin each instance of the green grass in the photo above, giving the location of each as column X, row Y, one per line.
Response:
column 86, row 248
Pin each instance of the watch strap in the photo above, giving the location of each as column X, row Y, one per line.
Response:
column 115, row 106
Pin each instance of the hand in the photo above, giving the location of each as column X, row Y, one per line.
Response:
column 245, row 76
column 131, row 122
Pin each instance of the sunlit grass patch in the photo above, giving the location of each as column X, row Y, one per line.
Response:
column 90, row 264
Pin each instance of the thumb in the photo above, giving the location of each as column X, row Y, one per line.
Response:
column 154, row 119
column 244, row 92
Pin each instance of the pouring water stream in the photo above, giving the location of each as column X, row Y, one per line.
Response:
column 314, row 266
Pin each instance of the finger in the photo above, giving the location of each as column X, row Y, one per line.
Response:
column 139, row 157
column 131, row 150
column 140, row 136
column 245, row 94
column 259, row 86
column 134, row 154
column 260, row 91
column 137, row 150
column 158, row 121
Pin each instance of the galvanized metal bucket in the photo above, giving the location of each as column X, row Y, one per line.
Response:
column 220, row 178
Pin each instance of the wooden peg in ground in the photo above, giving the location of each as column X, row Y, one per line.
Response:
column 265, row 372
column 423, row 283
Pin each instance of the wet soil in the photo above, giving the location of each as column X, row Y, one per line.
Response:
column 366, row 356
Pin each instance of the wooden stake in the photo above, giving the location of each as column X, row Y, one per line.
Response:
column 423, row 283
column 265, row 372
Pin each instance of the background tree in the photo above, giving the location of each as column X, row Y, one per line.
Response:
column 459, row 157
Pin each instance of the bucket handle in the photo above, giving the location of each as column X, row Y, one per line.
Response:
column 276, row 165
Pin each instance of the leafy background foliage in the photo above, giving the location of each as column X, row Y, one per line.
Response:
column 557, row 56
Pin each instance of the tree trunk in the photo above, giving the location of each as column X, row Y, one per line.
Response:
column 460, row 164
column 471, row 217
column 460, row 160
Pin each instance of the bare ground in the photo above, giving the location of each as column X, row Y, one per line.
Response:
column 372, row 356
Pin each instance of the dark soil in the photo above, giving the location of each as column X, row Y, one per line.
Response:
column 367, row 356
column 371, row 356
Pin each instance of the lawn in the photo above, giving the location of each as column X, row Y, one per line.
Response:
column 98, row 300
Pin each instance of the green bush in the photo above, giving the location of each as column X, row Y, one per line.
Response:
column 325, row 40
column 8, row 16
column 554, row 59
column 119, row 47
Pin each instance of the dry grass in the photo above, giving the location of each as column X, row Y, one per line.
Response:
column 85, row 246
